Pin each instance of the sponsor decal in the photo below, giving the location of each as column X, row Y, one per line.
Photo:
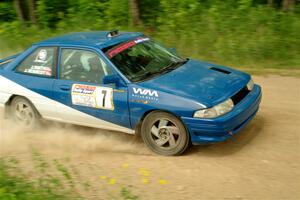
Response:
column 42, row 56
column 145, row 94
column 84, row 89
column 125, row 46
column 40, row 70
column 92, row 96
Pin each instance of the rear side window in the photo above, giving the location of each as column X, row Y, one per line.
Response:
column 41, row 62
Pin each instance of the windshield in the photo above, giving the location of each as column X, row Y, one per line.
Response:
column 143, row 58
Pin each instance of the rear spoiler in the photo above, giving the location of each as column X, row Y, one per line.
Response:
column 7, row 60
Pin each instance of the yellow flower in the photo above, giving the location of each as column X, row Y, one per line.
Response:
column 112, row 181
column 144, row 172
column 103, row 177
column 125, row 165
column 162, row 182
column 145, row 180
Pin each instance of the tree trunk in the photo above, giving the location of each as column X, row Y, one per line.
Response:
column 270, row 3
column 135, row 12
column 32, row 13
column 20, row 10
column 288, row 5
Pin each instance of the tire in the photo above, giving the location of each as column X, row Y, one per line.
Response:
column 165, row 134
column 24, row 113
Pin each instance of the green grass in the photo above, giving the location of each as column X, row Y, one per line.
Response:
column 16, row 185
column 51, row 181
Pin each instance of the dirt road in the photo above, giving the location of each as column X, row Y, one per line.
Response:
column 262, row 162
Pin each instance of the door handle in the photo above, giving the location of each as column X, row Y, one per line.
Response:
column 64, row 87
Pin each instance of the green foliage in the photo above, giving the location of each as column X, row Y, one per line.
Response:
column 239, row 33
column 127, row 195
column 51, row 12
column 7, row 13
column 150, row 16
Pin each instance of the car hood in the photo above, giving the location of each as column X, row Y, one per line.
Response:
column 206, row 83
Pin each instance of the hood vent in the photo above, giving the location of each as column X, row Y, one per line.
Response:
column 220, row 70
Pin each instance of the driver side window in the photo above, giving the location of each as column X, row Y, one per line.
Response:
column 82, row 66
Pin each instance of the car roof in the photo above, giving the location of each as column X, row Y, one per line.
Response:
column 97, row 39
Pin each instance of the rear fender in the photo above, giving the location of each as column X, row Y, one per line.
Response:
column 5, row 101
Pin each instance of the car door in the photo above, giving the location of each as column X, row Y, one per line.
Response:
column 90, row 102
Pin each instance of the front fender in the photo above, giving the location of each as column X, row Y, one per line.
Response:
column 141, row 100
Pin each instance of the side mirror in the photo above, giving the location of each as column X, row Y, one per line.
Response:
column 173, row 50
column 111, row 79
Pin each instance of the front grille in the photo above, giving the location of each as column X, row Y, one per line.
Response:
column 240, row 95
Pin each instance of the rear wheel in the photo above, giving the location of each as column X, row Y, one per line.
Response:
column 164, row 134
column 24, row 113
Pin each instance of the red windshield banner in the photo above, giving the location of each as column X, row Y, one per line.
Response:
column 120, row 48
column 111, row 53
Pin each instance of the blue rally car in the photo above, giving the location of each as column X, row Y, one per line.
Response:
column 127, row 82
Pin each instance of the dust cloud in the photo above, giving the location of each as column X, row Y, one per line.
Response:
column 65, row 137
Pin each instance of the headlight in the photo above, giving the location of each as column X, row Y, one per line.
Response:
column 215, row 111
column 250, row 85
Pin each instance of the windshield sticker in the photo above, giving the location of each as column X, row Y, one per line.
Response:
column 92, row 96
column 141, row 40
column 111, row 53
column 120, row 48
column 145, row 94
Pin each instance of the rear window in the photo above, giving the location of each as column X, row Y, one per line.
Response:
column 41, row 62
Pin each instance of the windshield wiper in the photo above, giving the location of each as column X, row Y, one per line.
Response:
column 174, row 65
column 179, row 63
column 170, row 67
column 146, row 75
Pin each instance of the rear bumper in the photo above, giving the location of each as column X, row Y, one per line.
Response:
column 204, row 131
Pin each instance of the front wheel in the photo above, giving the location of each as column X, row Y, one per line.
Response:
column 24, row 113
column 164, row 134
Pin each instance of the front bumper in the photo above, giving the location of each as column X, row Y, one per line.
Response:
column 204, row 131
